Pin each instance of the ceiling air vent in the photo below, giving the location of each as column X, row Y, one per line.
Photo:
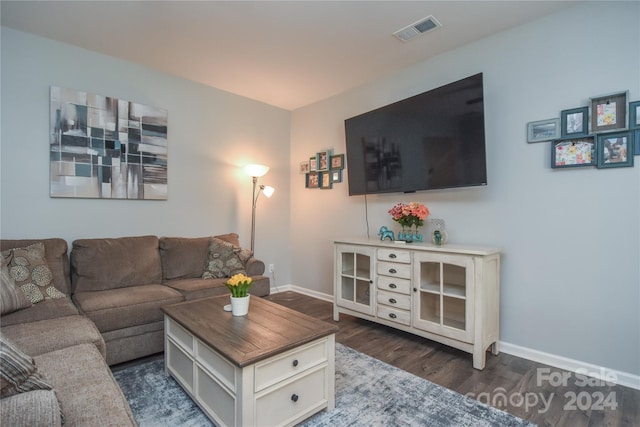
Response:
column 422, row 26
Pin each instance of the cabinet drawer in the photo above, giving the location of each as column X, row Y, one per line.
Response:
column 394, row 269
column 394, row 256
column 395, row 315
column 180, row 335
column 288, row 364
column 393, row 284
column 394, row 300
column 287, row 403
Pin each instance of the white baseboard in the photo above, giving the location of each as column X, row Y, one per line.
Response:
column 576, row 366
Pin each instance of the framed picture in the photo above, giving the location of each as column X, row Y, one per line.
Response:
column 575, row 122
column 323, row 160
column 573, row 152
column 636, row 142
column 312, row 180
column 608, row 112
column 337, row 162
column 313, row 163
column 615, row 150
column 325, row 180
column 336, row 176
column 304, row 167
column 543, row 130
column 634, row 115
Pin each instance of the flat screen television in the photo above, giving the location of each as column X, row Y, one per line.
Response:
column 429, row 141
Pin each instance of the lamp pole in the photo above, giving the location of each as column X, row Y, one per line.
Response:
column 253, row 211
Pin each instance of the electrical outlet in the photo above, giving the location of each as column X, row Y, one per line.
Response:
column 272, row 268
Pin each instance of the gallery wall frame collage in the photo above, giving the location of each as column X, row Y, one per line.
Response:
column 322, row 170
column 604, row 134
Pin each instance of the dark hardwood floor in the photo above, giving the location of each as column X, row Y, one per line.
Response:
column 521, row 387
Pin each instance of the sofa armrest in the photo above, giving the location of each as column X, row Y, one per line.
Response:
column 254, row 267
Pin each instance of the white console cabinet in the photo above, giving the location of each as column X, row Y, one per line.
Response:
column 449, row 294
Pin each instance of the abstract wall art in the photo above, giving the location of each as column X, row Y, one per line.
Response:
column 106, row 148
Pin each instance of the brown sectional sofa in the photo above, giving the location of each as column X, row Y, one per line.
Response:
column 111, row 313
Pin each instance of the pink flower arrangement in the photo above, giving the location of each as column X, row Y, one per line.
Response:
column 408, row 214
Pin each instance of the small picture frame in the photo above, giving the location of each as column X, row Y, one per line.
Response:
column 573, row 152
column 313, row 163
column 615, row 150
column 337, row 162
column 336, row 175
column 323, row 160
column 543, row 130
column 312, row 180
column 636, row 142
column 575, row 122
column 634, row 116
column 304, row 167
column 325, row 180
column 608, row 113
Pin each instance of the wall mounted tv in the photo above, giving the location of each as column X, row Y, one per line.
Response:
column 430, row 141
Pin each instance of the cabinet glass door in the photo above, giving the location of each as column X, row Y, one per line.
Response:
column 442, row 301
column 354, row 279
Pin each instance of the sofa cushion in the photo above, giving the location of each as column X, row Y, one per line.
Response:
column 87, row 392
column 124, row 307
column 11, row 297
column 48, row 309
column 101, row 264
column 28, row 267
column 232, row 238
column 41, row 337
column 183, row 258
column 42, row 405
column 18, row 371
column 204, row 288
column 222, row 260
column 57, row 258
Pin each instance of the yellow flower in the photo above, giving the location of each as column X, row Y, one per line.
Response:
column 239, row 285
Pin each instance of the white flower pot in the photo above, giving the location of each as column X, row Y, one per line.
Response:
column 240, row 306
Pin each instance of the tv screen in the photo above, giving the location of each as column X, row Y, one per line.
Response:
column 430, row 141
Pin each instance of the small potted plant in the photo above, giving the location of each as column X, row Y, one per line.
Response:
column 239, row 285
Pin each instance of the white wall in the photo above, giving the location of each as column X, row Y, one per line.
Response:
column 211, row 135
column 570, row 238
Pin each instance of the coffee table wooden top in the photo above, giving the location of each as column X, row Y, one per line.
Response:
column 268, row 329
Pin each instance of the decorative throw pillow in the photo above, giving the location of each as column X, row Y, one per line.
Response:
column 18, row 371
column 11, row 297
column 28, row 267
column 222, row 261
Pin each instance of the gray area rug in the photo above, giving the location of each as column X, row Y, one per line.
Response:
column 368, row 393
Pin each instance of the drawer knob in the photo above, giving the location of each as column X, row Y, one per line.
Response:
column 392, row 300
column 392, row 271
column 392, row 285
column 392, row 256
column 294, row 397
column 392, row 315
column 295, row 362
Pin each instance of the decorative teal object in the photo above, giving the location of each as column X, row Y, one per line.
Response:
column 385, row 233
column 437, row 238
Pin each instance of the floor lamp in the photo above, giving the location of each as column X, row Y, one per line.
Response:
column 255, row 172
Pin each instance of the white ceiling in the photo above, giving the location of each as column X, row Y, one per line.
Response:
column 284, row 53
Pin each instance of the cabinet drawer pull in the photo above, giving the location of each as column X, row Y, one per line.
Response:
column 393, row 256
column 295, row 362
column 392, row 271
column 294, row 397
column 392, row 315
column 392, row 300
column 393, row 285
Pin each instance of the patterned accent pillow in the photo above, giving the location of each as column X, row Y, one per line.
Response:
column 18, row 371
column 28, row 267
column 11, row 297
column 222, row 261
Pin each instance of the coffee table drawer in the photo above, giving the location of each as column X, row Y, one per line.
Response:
column 284, row 366
column 293, row 401
column 180, row 335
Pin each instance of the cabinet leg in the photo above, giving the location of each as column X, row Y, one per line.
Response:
column 479, row 357
column 495, row 348
column 336, row 315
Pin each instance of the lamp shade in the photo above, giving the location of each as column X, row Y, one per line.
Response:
column 268, row 191
column 256, row 170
